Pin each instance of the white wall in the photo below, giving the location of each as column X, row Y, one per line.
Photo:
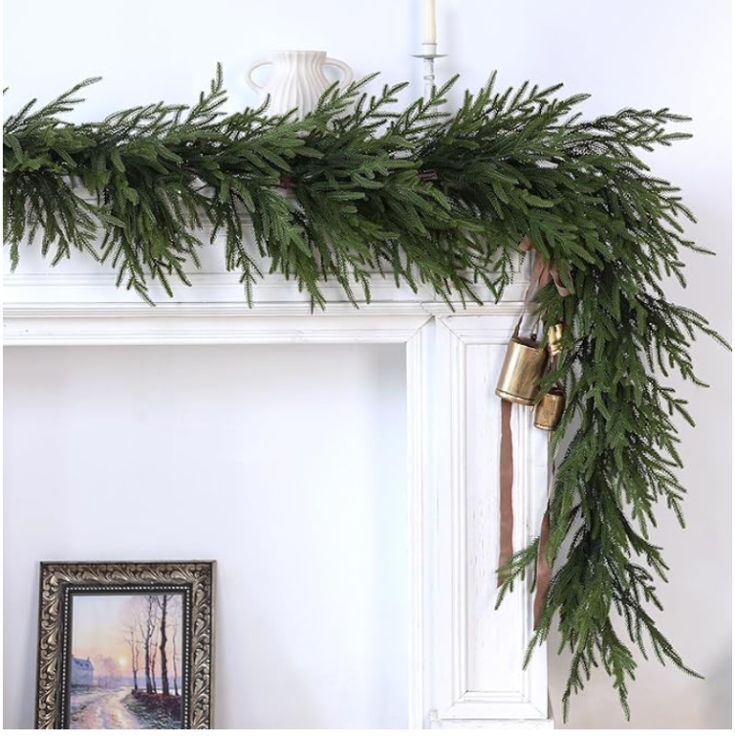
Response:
column 659, row 53
column 285, row 464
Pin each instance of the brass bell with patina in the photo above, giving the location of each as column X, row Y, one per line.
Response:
column 522, row 370
column 555, row 335
column 549, row 409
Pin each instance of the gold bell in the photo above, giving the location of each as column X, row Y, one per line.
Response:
column 550, row 407
column 522, row 370
column 555, row 335
column 549, row 410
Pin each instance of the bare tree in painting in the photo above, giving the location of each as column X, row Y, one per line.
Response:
column 134, row 644
column 135, row 632
column 150, row 624
column 174, row 633
column 163, row 604
column 147, row 627
column 173, row 618
column 154, row 658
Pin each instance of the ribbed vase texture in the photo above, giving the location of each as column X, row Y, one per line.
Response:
column 298, row 80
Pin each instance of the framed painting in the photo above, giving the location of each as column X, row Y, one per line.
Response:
column 125, row 645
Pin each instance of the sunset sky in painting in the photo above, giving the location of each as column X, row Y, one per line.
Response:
column 100, row 624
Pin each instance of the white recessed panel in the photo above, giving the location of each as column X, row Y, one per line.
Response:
column 495, row 637
column 286, row 464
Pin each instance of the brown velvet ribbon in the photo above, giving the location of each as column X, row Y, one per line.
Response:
column 543, row 272
column 541, row 275
column 506, row 489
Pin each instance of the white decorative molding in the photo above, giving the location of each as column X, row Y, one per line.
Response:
column 214, row 323
column 465, row 658
column 480, row 650
column 420, row 551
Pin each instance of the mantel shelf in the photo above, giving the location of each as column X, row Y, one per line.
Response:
column 81, row 281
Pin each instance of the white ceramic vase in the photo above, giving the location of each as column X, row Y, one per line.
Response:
column 297, row 80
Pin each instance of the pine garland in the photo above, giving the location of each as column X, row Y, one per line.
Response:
column 435, row 199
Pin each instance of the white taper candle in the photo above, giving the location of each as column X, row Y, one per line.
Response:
column 429, row 21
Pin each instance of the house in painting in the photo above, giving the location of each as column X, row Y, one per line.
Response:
column 82, row 672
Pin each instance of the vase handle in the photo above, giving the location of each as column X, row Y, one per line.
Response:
column 249, row 77
column 346, row 71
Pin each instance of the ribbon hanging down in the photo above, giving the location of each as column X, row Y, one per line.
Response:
column 506, row 488
column 542, row 274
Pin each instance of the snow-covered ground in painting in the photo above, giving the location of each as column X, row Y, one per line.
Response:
column 102, row 708
column 118, row 708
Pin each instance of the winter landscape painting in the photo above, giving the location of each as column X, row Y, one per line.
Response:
column 125, row 660
column 125, row 645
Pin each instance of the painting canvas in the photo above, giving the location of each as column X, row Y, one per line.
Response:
column 125, row 666
column 125, row 645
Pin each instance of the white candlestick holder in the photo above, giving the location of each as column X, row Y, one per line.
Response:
column 429, row 55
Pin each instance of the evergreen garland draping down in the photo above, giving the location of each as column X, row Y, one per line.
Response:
column 443, row 200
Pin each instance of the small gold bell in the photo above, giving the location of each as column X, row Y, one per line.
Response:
column 555, row 335
column 549, row 410
column 550, row 407
column 522, row 370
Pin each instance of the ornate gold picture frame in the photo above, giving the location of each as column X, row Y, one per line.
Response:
column 125, row 645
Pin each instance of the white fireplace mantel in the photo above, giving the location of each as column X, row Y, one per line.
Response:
column 465, row 656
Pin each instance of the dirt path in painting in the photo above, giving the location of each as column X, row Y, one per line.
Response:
column 106, row 710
